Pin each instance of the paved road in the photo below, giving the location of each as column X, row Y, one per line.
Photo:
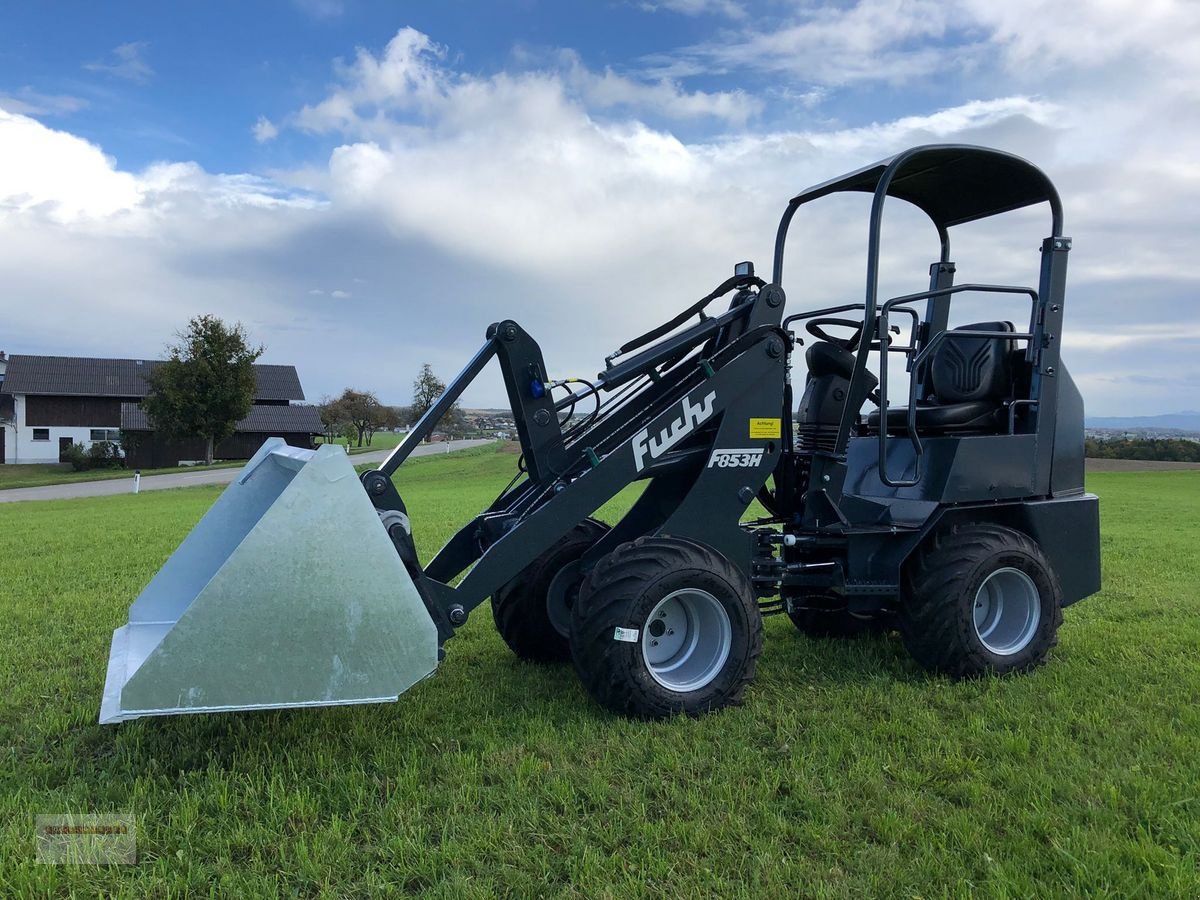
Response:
column 189, row 479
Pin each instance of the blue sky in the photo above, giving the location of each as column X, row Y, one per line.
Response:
column 150, row 81
column 366, row 185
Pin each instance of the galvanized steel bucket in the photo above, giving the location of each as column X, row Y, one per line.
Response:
column 288, row 593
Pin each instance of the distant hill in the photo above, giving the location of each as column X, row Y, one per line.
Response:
column 1180, row 421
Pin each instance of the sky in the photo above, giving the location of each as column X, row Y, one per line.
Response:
column 367, row 185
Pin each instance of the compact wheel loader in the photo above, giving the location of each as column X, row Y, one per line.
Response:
column 957, row 516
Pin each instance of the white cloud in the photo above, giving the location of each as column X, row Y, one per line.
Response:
column 1132, row 336
column 871, row 40
column 64, row 176
column 1042, row 34
column 406, row 78
column 126, row 61
column 409, row 82
column 662, row 96
column 29, row 102
column 264, row 130
column 922, row 41
column 57, row 176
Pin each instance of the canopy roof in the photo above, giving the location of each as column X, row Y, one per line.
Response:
column 951, row 183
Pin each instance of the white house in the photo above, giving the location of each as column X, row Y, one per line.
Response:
column 48, row 403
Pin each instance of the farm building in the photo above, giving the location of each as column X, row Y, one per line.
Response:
column 50, row 402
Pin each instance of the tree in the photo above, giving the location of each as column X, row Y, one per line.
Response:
column 362, row 411
column 205, row 385
column 404, row 416
column 333, row 417
column 427, row 388
column 389, row 417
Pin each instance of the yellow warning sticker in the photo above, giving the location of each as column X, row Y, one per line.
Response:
column 765, row 428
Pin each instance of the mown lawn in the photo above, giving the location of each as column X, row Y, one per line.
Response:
column 847, row 773
column 383, row 440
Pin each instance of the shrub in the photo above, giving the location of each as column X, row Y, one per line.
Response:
column 104, row 455
column 77, row 456
column 101, row 455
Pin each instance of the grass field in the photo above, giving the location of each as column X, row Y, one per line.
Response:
column 847, row 773
column 384, row 440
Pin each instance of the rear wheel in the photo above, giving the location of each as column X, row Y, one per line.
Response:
column 826, row 616
column 980, row 599
column 533, row 610
column 666, row 625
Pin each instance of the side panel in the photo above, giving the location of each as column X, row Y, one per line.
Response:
column 953, row 469
column 1067, row 475
column 1068, row 530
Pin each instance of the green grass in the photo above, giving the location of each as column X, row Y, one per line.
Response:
column 847, row 773
column 383, row 440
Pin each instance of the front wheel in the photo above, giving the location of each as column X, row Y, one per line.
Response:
column 980, row 599
column 532, row 611
column 665, row 625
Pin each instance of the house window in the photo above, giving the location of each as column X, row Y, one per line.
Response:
column 41, row 434
column 106, row 434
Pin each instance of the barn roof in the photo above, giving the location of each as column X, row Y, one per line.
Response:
column 261, row 420
column 85, row 376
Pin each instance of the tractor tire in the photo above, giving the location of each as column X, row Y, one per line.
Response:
column 521, row 607
column 663, row 626
column 823, row 616
column 979, row 600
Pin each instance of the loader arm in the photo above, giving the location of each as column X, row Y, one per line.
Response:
column 684, row 424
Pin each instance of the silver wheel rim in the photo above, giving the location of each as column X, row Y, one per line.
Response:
column 1008, row 610
column 686, row 640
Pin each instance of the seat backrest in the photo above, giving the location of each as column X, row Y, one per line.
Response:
column 968, row 369
column 824, row 358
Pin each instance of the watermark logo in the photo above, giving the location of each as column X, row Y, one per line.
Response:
column 693, row 414
column 77, row 839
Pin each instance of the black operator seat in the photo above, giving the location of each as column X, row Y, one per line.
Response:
column 970, row 380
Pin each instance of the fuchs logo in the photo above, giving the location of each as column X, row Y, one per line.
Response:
column 693, row 415
column 736, row 459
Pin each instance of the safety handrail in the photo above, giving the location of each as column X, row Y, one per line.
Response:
column 910, row 422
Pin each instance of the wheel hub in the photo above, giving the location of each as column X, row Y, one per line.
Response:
column 561, row 596
column 686, row 640
column 1008, row 610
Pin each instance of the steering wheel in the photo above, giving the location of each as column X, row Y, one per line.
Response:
column 813, row 327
